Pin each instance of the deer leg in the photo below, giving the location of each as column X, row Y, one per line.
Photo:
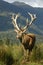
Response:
column 24, row 52
column 29, row 55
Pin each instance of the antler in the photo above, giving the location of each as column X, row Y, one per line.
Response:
column 33, row 17
column 14, row 21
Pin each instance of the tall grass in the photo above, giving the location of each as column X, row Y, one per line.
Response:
column 13, row 55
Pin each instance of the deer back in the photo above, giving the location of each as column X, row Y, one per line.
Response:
column 28, row 39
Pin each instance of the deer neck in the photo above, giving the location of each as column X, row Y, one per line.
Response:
column 20, row 39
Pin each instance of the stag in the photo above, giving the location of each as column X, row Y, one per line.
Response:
column 27, row 40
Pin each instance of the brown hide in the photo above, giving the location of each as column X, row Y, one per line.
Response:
column 28, row 41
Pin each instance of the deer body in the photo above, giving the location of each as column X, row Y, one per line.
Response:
column 27, row 40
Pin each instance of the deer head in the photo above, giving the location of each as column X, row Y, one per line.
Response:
column 18, row 30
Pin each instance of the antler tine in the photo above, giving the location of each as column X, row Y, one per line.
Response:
column 24, row 29
column 33, row 17
column 26, row 23
column 14, row 21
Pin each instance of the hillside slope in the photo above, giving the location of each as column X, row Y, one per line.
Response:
column 6, row 10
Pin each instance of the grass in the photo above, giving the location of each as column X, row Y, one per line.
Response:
column 13, row 55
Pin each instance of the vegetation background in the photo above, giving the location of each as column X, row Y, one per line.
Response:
column 12, row 54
